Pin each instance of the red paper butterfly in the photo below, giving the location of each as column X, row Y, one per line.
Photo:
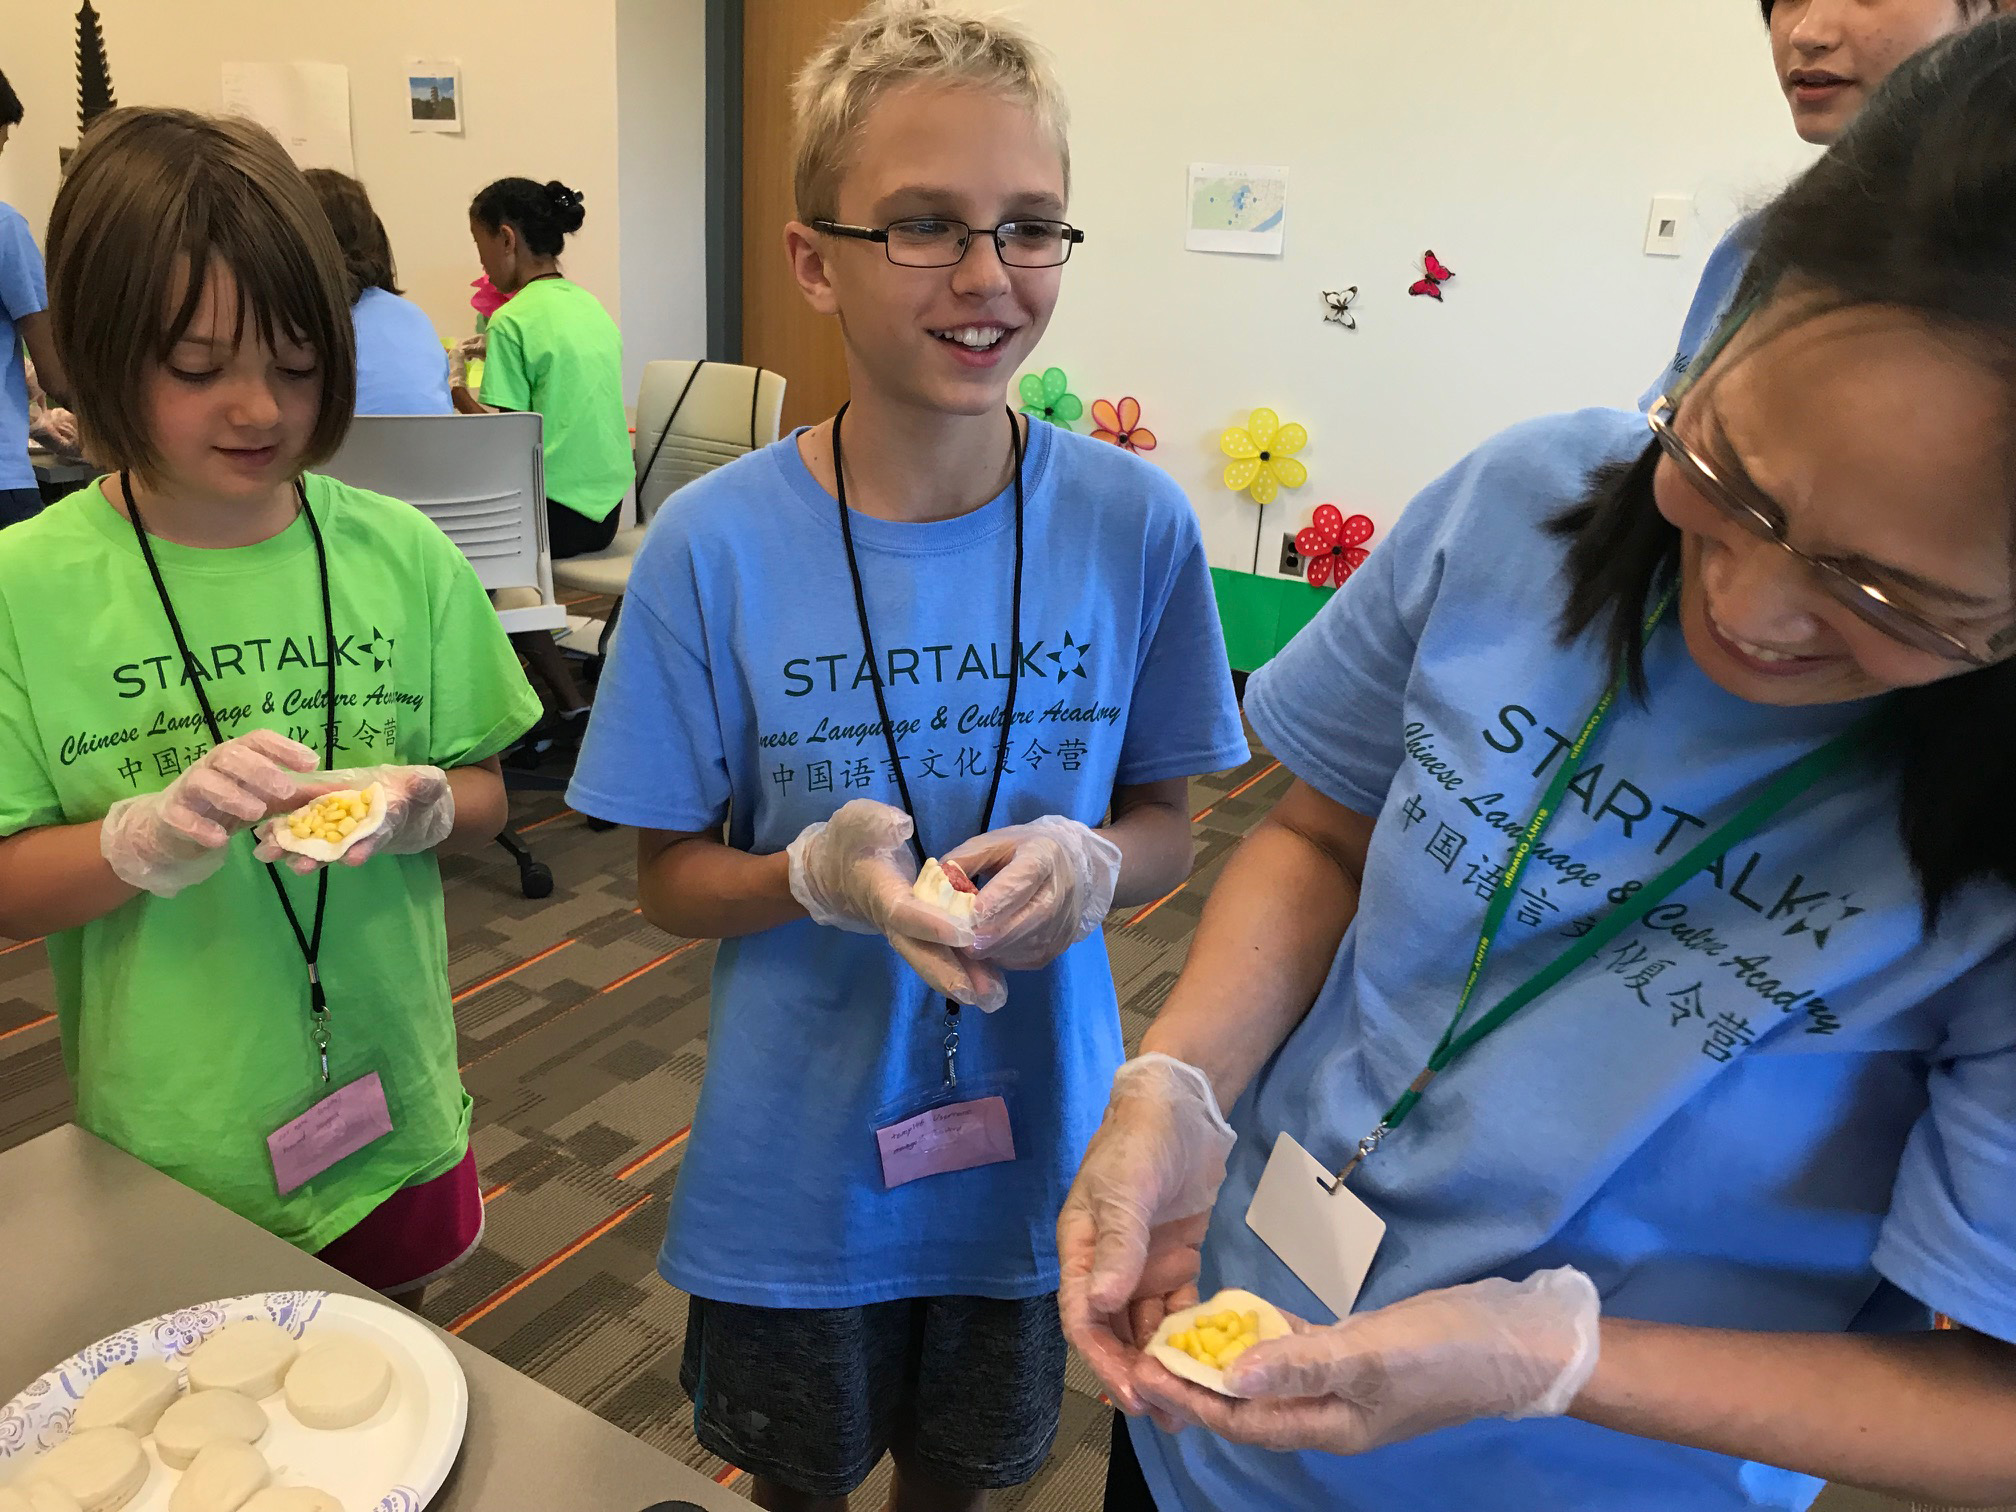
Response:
column 1438, row 275
column 1334, row 545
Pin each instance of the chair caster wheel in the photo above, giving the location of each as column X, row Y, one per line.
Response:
column 535, row 879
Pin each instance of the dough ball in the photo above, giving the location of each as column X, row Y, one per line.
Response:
column 338, row 1382
column 292, row 1499
column 128, row 1396
column 41, row 1496
column 204, row 1418
column 250, row 1358
column 221, row 1479
column 100, row 1467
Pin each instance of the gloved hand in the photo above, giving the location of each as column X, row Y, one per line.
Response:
column 166, row 841
column 1049, row 885
column 1129, row 1235
column 854, row 872
column 419, row 813
column 469, row 349
column 1496, row 1348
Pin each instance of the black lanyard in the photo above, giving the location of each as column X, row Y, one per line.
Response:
column 310, row 942
column 882, row 702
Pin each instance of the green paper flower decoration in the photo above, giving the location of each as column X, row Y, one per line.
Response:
column 1048, row 396
column 1263, row 456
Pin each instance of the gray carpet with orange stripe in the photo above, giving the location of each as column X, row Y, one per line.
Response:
column 583, row 1034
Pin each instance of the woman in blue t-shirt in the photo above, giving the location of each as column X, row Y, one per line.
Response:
column 1670, row 1198
column 402, row 368
column 1828, row 57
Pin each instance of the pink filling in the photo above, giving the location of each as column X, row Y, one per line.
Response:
column 959, row 880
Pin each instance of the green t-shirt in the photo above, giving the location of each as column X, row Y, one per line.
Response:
column 554, row 349
column 185, row 1020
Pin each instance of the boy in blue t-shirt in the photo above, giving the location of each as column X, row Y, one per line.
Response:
column 24, row 322
column 824, row 645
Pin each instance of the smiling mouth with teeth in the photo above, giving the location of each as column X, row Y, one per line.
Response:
column 974, row 338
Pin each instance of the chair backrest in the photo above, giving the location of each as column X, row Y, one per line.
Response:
column 694, row 416
column 481, row 478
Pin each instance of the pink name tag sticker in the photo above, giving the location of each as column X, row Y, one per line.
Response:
column 340, row 1124
column 956, row 1137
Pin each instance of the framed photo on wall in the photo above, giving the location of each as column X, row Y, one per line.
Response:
column 434, row 96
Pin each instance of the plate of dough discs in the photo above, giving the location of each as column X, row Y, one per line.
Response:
column 302, row 1401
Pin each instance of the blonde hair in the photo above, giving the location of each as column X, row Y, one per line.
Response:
column 154, row 198
column 892, row 43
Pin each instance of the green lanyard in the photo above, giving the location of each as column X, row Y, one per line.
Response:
column 1456, row 1042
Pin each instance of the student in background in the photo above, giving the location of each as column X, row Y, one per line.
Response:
column 402, row 368
column 199, row 298
column 1828, row 57
column 1046, row 674
column 552, row 349
column 24, row 323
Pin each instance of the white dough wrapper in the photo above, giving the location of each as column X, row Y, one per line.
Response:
column 223, row 1478
column 1272, row 1326
column 250, row 1358
column 39, row 1496
column 338, row 1382
column 283, row 836
column 292, row 1499
column 204, row 1418
column 947, row 886
column 132, row 1397
column 101, row 1467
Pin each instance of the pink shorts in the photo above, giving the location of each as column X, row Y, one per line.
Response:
column 414, row 1235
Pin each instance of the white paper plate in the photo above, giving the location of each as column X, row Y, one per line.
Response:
column 393, row 1462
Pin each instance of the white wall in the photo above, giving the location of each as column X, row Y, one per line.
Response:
column 541, row 97
column 661, row 167
column 1521, row 139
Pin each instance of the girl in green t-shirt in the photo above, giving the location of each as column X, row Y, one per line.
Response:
column 553, row 350
column 204, row 640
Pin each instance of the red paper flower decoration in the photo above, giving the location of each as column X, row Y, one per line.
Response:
column 1334, row 545
column 1122, row 425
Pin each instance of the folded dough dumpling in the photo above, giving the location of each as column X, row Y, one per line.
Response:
column 292, row 1499
column 221, row 1479
column 101, row 1467
column 1200, row 1342
column 338, row 1382
column 128, row 1396
column 249, row 1357
column 947, row 886
column 37, row 1496
column 204, row 1418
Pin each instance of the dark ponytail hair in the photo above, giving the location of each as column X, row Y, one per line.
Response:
column 545, row 215
column 367, row 251
column 1914, row 208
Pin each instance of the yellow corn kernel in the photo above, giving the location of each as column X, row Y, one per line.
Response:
column 346, row 824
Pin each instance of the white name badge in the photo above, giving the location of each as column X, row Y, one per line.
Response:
column 1326, row 1238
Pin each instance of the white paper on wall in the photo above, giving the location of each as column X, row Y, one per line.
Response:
column 306, row 105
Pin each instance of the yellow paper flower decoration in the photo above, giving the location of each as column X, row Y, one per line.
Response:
column 1263, row 456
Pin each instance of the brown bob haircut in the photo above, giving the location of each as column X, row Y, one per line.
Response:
column 154, row 200
column 367, row 250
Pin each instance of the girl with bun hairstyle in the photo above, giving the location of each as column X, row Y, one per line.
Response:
column 553, row 350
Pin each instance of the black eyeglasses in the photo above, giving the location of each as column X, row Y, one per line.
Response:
column 1869, row 600
column 932, row 241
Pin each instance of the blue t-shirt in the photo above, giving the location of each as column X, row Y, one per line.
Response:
column 738, row 687
column 1752, row 1111
column 22, row 293
column 402, row 368
column 1714, row 296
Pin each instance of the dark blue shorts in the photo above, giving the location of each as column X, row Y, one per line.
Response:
column 19, row 504
column 965, row 1388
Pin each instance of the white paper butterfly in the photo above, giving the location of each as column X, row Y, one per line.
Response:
column 1339, row 303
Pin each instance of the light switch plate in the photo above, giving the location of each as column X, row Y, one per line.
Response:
column 1667, row 227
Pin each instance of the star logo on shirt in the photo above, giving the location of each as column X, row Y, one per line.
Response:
column 1821, row 919
column 378, row 648
column 1076, row 651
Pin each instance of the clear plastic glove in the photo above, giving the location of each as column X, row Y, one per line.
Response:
column 1129, row 1235
column 469, row 349
column 1049, row 884
column 419, row 814
column 1496, row 1348
column 166, row 841
column 854, row 872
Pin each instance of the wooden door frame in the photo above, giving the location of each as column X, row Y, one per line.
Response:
column 724, row 180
